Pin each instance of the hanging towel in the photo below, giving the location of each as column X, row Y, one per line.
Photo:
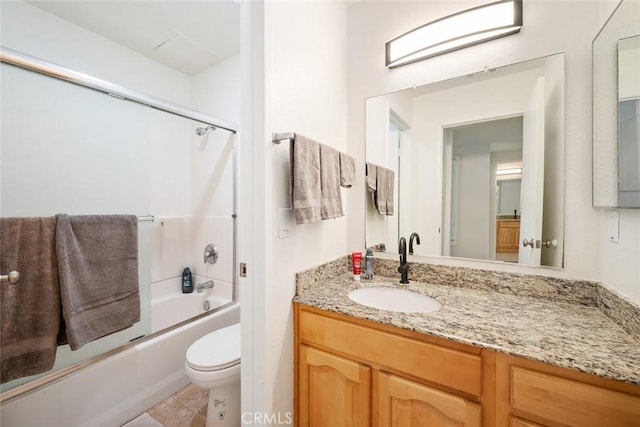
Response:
column 306, row 193
column 390, row 192
column 381, row 190
column 98, row 267
column 330, row 182
column 30, row 308
column 372, row 178
column 347, row 171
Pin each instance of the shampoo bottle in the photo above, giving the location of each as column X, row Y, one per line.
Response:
column 187, row 281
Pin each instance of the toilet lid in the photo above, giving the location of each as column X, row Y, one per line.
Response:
column 217, row 350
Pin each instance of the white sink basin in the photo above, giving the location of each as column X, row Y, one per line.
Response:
column 394, row 299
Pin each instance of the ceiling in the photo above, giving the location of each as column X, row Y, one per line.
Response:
column 187, row 35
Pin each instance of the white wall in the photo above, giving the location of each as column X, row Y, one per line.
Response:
column 306, row 92
column 549, row 27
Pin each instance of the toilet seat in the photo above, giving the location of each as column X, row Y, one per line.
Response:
column 215, row 351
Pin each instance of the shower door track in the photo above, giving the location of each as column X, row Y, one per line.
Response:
column 27, row 62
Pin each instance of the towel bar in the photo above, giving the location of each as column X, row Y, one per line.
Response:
column 277, row 138
column 13, row 277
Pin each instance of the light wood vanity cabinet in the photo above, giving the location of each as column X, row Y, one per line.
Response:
column 351, row 372
column 508, row 236
column 536, row 394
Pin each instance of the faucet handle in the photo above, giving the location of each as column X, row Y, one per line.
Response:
column 210, row 254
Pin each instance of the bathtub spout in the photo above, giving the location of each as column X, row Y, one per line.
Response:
column 206, row 285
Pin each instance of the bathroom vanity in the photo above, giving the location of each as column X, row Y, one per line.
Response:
column 486, row 357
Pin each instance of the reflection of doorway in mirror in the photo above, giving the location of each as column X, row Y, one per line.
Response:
column 473, row 154
column 508, row 189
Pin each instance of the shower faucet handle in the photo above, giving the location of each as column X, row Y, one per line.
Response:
column 210, row 254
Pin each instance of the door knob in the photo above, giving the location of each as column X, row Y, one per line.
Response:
column 529, row 242
column 549, row 243
column 12, row 277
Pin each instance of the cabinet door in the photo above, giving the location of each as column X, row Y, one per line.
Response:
column 333, row 391
column 404, row 403
column 508, row 239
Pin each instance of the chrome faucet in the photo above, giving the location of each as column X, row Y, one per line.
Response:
column 404, row 267
column 206, row 285
column 417, row 238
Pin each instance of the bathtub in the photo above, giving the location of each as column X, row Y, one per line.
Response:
column 119, row 387
column 169, row 306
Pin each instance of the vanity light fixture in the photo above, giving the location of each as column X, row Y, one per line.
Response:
column 472, row 26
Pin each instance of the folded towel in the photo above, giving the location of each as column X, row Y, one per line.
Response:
column 347, row 170
column 381, row 190
column 306, row 193
column 98, row 267
column 30, row 308
column 371, row 177
column 330, row 182
column 390, row 192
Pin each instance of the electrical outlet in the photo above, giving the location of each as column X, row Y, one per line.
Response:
column 284, row 222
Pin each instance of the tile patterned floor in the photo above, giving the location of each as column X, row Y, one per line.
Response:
column 186, row 408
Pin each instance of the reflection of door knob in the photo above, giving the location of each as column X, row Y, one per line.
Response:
column 549, row 243
column 12, row 277
column 529, row 242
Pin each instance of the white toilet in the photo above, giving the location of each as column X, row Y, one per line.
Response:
column 213, row 363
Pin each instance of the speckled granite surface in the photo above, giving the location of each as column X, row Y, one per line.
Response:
column 571, row 333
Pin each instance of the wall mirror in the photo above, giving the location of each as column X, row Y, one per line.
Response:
column 478, row 165
column 616, row 98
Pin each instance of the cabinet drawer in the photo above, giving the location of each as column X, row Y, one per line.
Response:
column 571, row 402
column 451, row 368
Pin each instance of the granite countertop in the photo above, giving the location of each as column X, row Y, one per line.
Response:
column 565, row 334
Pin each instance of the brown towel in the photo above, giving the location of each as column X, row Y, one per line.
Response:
column 30, row 308
column 347, row 171
column 390, row 190
column 330, row 182
column 98, row 266
column 306, row 193
column 381, row 190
